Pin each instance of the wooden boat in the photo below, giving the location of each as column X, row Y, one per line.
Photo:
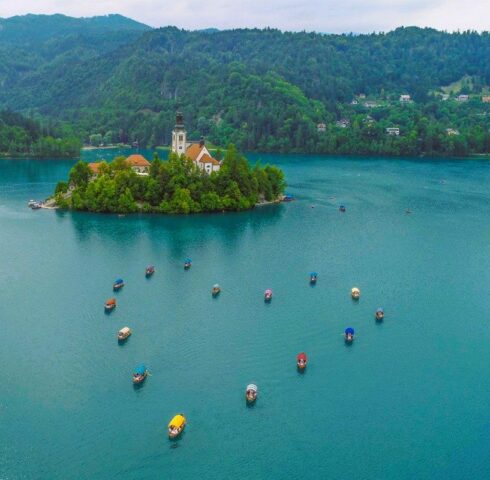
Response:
column 379, row 314
column 123, row 334
column 251, row 393
column 118, row 284
column 342, row 208
column 301, row 360
column 150, row 270
column 187, row 263
column 356, row 293
column 268, row 295
column 110, row 305
column 176, row 426
column 313, row 277
column 349, row 335
column 140, row 374
column 215, row 290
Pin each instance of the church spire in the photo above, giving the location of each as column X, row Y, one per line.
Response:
column 179, row 135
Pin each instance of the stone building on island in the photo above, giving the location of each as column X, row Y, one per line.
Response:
column 195, row 151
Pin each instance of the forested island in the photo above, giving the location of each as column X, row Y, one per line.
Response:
column 411, row 91
column 21, row 137
column 174, row 186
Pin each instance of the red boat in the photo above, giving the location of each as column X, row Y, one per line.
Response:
column 268, row 295
column 301, row 360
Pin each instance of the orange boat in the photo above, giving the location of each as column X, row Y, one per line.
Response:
column 301, row 360
column 110, row 304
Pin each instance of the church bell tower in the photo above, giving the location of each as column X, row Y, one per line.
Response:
column 179, row 135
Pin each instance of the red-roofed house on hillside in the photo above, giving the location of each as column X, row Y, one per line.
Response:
column 197, row 152
column 94, row 168
column 139, row 164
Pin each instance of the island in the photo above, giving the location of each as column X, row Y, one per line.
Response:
column 175, row 186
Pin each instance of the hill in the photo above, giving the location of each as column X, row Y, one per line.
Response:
column 260, row 89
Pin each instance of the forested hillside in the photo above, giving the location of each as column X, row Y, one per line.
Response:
column 260, row 89
column 20, row 136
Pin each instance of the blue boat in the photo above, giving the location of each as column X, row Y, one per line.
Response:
column 349, row 334
column 313, row 277
column 140, row 373
column 187, row 263
column 342, row 208
column 118, row 284
column 380, row 314
column 287, row 198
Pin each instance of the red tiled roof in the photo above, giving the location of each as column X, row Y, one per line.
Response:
column 94, row 167
column 193, row 151
column 207, row 159
column 137, row 160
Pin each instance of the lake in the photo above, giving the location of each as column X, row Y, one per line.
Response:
column 407, row 400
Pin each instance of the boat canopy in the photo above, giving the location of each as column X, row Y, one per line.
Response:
column 355, row 289
column 313, row 274
column 150, row 267
column 188, row 260
column 118, row 281
column 177, row 422
column 140, row 370
column 379, row 310
column 215, row 285
column 252, row 387
column 124, row 330
column 268, row 291
column 111, row 301
column 301, row 356
column 349, row 331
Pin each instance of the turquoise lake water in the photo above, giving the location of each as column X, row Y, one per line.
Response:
column 408, row 400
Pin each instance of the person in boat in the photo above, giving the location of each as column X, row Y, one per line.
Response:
column 380, row 314
column 140, row 374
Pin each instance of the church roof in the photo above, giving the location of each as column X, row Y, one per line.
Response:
column 137, row 160
column 207, row 159
column 193, row 151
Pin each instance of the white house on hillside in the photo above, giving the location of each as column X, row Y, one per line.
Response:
column 196, row 151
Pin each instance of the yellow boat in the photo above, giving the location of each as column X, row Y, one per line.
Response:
column 176, row 426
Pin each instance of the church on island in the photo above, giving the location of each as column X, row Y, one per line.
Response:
column 196, row 151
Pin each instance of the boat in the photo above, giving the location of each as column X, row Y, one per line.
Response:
column 118, row 284
column 176, row 425
column 268, row 295
column 342, row 208
column 140, row 374
column 301, row 360
column 287, row 198
column 30, row 203
column 110, row 305
column 215, row 290
column 349, row 335
column 356, row 293
column 123, row 334
column 313, row 277
column 36, row 205
column 187, row 263
column 150, row 270
column 251, row 393
column 380, row 314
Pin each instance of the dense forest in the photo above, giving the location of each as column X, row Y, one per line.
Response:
column 175, row 186
column 21, row 136
column 262, row 90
